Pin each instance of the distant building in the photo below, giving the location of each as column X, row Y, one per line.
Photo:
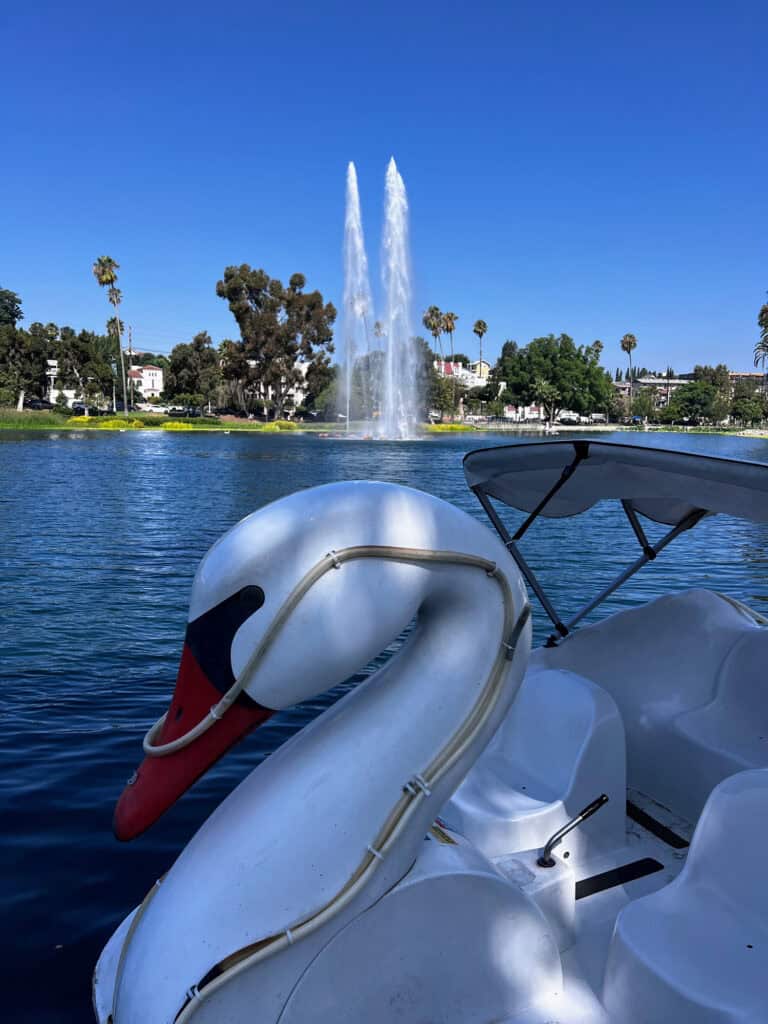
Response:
column 753, row 377
column 54, row 392
column 665, row 388
column 481, row 369
column 473, row 376
column 149, row 379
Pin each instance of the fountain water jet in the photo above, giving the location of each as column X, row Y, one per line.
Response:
column 358, row 303
column 399, row 405
column 379, row 386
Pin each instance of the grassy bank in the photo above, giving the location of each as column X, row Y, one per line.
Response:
column 31, row 419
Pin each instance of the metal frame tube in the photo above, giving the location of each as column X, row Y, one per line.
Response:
column 525, row 569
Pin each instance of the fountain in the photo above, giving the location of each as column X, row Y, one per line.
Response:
column 383, row 384
column 399, row 408
column 358, row 303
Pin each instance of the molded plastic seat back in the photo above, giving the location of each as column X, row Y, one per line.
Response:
column 560, row 746
column 696, row 952
column 665, row 664
column 727, row 853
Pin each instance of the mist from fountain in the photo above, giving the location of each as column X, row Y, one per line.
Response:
column 399, row 398
column 358, row 302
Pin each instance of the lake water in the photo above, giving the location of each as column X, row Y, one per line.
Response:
column 101, row 535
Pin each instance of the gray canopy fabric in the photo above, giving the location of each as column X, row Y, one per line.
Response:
column 664, row 486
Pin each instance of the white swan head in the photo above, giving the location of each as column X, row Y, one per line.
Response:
column 272, row 622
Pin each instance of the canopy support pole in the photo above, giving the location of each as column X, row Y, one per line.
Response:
column 634, row 522
column 582, row 452
column 648, row 555
column 522, row 565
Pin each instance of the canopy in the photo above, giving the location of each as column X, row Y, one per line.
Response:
column 563, row 478
column 662, row 485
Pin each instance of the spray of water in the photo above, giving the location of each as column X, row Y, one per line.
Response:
column 399, row 403
column 358, row 304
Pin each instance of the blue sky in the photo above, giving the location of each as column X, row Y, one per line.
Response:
column 591, row 168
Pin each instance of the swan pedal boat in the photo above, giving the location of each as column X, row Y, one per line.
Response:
column 478, row 832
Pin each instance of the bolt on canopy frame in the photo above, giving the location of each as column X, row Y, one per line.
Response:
column 564, row 478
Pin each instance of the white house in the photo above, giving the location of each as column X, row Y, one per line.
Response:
column 54, row 392
column 148, row 378
column 473, row 376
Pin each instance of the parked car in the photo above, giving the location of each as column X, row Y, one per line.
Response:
column 227, row 411
column 78, row 409
column 38, row 403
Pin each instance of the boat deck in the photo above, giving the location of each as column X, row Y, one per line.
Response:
column 656, row 848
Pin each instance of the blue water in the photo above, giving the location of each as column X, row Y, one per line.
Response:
column 101, row 536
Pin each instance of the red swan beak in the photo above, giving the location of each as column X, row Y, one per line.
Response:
column 160, row 781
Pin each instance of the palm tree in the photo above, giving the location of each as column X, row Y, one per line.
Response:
column 480, row 329
column 629, row 344
column 105, row 271
column 449, row 326
column 761, row 348
column 433, row 321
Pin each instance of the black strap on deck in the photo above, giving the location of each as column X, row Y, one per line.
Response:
column 617, row 876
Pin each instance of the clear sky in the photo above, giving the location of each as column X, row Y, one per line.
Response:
column 593, row 168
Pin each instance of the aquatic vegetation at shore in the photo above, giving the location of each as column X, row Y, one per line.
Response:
column 108, row 423
column 177, row 425
column 448, row 428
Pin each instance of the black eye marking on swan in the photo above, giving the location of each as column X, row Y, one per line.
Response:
column 210, row 636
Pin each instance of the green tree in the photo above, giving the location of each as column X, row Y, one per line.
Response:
column 85, row 363
column 628, row 344
column 280, row 327
column 105, row 271
column 548, row 396
column 747, row 410
column 22, row 363
column 10, row 308
column 480, row 329
column 715, row 375
column 427, row 378
column 694, row 402
column 194, row 370
column 574, row 378
column 446, row 397
column 644, row 403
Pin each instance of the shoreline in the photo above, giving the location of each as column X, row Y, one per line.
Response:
column 326, row 432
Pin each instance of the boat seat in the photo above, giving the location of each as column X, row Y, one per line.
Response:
column 688, row 674
column 560, row 746
column 696, row 951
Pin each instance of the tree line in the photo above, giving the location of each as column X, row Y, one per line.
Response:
column 286, row 342
column 286, row 338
